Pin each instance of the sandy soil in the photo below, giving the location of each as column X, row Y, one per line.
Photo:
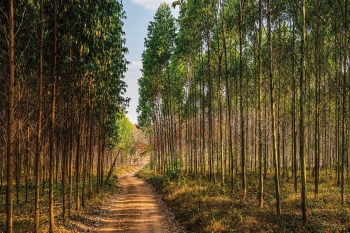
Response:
column 136, row 209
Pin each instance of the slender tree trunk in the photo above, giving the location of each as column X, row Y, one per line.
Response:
column 244, row 180
column 344, row 112
column 90, row 107
column 260, row 154
column 38, row 142
column 52, row 133
column 18, row 160
column 210, row 119
column 85, row 154
column 111, row 169
column 228, row 96
column 77, row 155
column 103, row 150
column 11, row 118
column 202, row 103
column 71, row 118
column 220, row 123
column 273, row 127
column 294, row 128
column 26, row 163
column 317, row 118
column 64, row 165
column 98, row 163
column 301, row 120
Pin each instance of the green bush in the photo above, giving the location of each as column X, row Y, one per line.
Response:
column 158, row 182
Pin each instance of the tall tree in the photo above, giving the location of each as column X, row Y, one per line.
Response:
column 10, row 109
column 39, row 121
column 241, row 97
column 301, row 110
column 260, row 99
column 344, row 142
column 272, row 109
column 53, row 112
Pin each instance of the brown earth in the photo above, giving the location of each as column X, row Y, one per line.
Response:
column 137, row 208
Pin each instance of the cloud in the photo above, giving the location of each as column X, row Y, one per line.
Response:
column 151, row 4
column 134, row 67
column 131, row 78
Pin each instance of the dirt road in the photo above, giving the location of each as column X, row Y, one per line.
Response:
column 135, row 209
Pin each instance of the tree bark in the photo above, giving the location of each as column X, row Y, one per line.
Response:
column 39, row 122
column 244, row 180
column 10, row 123
column 272, row 108
column 301, row 120
column 52, row 131
column 260, row 99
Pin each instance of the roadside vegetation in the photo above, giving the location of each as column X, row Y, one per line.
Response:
column 202, row 206
column 87, row 219
column 78, row 221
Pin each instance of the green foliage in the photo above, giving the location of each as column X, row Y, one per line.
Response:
column 121, row 134
column 156, row 81
column 173, row 171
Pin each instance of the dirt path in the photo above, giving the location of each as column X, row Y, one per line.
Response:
column 135, row 208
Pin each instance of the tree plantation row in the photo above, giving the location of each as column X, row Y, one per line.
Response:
column 239, row 86
column 62, row 120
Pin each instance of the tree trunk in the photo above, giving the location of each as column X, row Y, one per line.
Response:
column 317, row 90
column 111, row 169
column 301, row 120
column 244, row 180
column 294, row 130
column 77, row 155
column 39, row 122
column 10, row 123
column 344, row 112
column 260, row 99
column 272, row 108
column 52, row 132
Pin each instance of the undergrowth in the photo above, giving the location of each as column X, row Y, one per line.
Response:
column 206, row 207
column 79, row 221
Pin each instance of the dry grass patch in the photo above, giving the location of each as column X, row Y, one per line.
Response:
column 205, row 207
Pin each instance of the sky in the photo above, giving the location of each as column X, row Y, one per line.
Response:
column 139, row 14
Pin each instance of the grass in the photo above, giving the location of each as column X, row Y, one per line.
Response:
column 23, row 213
column 205, row 207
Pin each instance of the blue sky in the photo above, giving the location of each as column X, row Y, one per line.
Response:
column 139, row 13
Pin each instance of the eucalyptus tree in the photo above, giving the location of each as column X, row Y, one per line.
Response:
column 53, row 112
column 260, row 99
column 39, row 122
column 10, row 120
column 228, row 95
column 241, row 95
column 189, row 43
column 302, row 117
column 344, row 100
column 155, row 84
column 272, row 109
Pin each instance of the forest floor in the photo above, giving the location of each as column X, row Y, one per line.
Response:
column 87, row 219
column 201, row 206
column 125, row 204
column 136, row 208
